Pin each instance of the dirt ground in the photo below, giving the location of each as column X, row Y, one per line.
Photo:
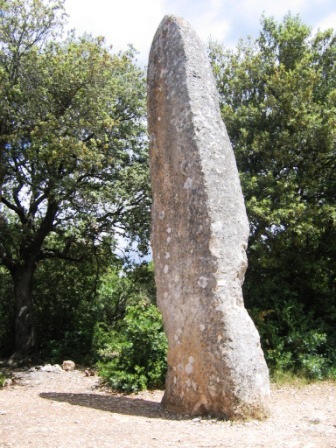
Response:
column 68, row 409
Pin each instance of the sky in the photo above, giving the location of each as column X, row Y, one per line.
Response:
column 124, row 22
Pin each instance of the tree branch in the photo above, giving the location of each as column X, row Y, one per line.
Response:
column 53, row 254
column 18, row 210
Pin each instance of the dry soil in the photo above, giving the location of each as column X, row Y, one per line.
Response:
column 68, row 409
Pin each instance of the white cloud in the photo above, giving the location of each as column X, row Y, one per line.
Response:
column 122, row 22
column 212, row 22
column 254, row 8
column 327, row 22
column 134, row 21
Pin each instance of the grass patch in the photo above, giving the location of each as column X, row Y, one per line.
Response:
column 2, row 379
column 280, row 378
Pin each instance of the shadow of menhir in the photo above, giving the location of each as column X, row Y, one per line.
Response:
column 115, row 404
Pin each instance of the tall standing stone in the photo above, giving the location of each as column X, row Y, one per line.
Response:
column 199, row 237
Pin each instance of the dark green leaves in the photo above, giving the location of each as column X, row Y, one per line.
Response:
column 278, row 103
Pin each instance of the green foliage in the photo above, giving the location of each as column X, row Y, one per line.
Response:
column 133, row 352
column 119, row 288
column 6, row 314
column 70, row 299
column 74, row 176
column 2, row 379
column 65, row 297
column 73, row 148
column 278, row 103
column 295, row 342
column 75, row 157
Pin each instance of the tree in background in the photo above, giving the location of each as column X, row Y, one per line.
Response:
column 278, row 100
column 74, row 167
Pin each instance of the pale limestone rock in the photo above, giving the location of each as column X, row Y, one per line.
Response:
column 199, row 237
column 68, row 365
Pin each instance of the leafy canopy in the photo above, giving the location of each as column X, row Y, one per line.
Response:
column 278, row 97
column 72, row 137
column 73, row 150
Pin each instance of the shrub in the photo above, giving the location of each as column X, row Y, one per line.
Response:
column 7, row 317
column 294, row 342
column 133, row 352
column 2, row 379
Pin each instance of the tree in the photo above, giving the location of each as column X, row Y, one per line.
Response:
column 22, row 27
column 73, row 148
column 278, row 97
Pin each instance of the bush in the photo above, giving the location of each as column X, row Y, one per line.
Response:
column 133, row 352
column 7, row 316
column 295, row 343
column 2, row 379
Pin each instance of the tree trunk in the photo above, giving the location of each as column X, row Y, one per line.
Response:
column 25, row 339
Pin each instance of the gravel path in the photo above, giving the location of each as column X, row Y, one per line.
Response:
column 68, row 409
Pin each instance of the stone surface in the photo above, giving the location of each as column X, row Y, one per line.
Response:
column 199, row 237
column 68, row 365
column 50, row 368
